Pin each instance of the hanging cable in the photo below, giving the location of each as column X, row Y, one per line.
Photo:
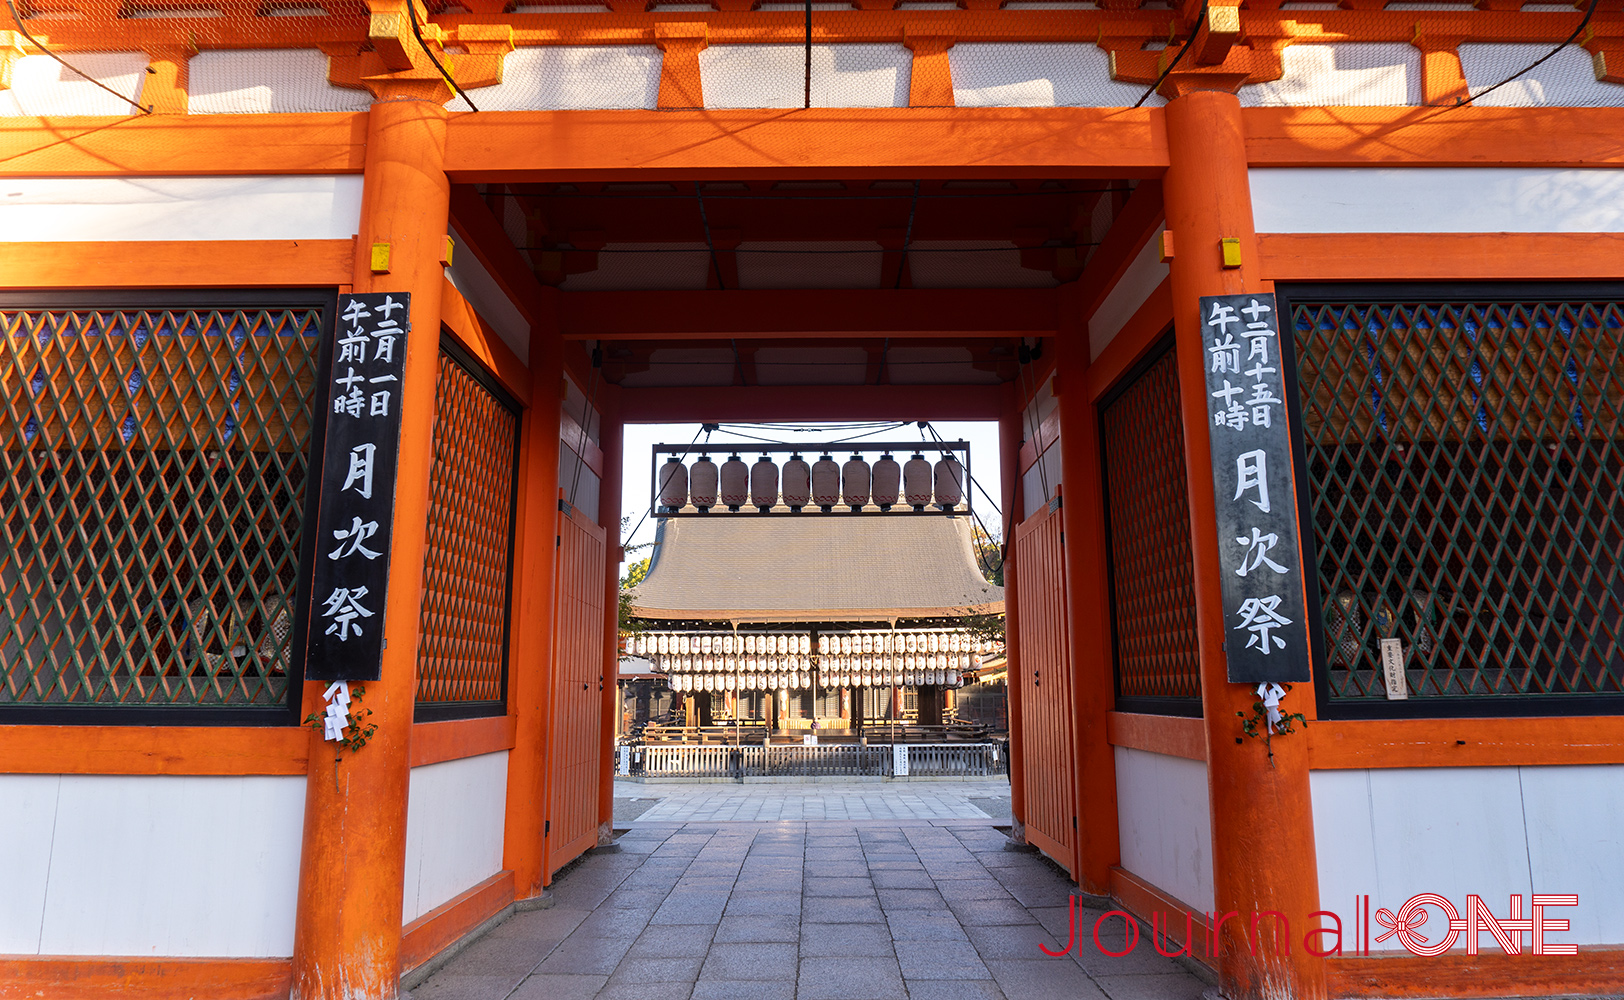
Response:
column 69, row 66
column 417, row 29
column 710, row 245
column 907, row 235
column 1034, row 434
column 808, row 53
column 866, row 434
column 1589, row 12
column 586, row 417
column 985, row 563
column 1200, row 19
column 656, row 484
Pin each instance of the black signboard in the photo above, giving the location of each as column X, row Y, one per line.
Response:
column 1265, row 624
column 356, row 501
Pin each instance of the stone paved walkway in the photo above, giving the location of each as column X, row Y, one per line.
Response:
column 773, row 801
column 870, row 909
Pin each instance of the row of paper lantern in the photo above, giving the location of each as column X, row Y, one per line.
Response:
column 827, row 664
column 823, row 483
column 845, row 643
column 803, row 680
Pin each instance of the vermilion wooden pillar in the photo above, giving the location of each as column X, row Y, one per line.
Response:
column 1262, row 826
column 530, row 661
column 611, row 438
column 1093, row 685
column 1010, row 435
column 347, row 932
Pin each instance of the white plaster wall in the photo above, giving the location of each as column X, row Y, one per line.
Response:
column 1142, row 277
column 1437, row 200
column 1566, row 80
column 574, row 473
column 1164, row 818
column 1490, row 831
column 42, row 86
column 468, row 276
column 150, row 865
column 572, row 77
column 77, row 209
column 774, row 76
column 1038, row 75
column 453, row 829
column 1345, row 74
column 264, row 81
column 1038, row 483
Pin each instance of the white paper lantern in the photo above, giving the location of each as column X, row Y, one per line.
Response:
column 702, row 483
column 673, row 482
column 886, row 481
column 797, row 483
column 949, row 482
column 825, row 482
column 854, row 481
column 764, row 483
column 734, row 485
column 916, row 482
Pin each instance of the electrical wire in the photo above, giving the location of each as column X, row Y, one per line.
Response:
column 907, row 235
column 586, row 417
column 710, row 244
column 985, row 563
column 1200, row 19
column 1589, row 12
column 70, row 67
column 656, row 484
column 417, row 30
column 867, row 434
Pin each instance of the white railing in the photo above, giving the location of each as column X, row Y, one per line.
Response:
column 878, row 760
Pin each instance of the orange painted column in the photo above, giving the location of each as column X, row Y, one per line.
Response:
column 1010, row 436
column 347, row 931
column 1262, row 826
column 1093, row 681
column 530, row 660
column 611, row 440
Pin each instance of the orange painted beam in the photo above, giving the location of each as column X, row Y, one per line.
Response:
column 1441, row 256
column 179, row 264
column 226, row 750
column 141, row 978
column 1489, row 974
column 326, row 143
column 744, row 314
column 484, row 343
column 1170, row 735
column 454, row 739
column 443, row 926
column 1465, row 742
column 1144, row 901
column 1458, row 137
column 798, row 402
column 867, row 143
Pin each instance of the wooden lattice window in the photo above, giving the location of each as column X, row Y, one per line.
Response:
column 1158, row 665
column 1465, row 487
column 154, row 458
column 468, row 567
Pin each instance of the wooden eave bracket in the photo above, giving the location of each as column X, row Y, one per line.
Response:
column 1605, row 43
column 680, row 83
column 1218, row 33
column 1244, row 56
column 472, row 54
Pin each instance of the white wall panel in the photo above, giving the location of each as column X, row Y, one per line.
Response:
column 1345, row 74
column 1489, row 831
column 1038, row 75
column 1038, row 483
column 77, row 209
column 572, row 77
column 265, row 81
column 1142, row 277
column 150, row 865
column 453, row 829
column 468, row 276
column 42, row 86
column 774, row 76
column 1439, row 200
column 1565, row 80
column 27, row 826
column 1164, row 818
column 1575, row 818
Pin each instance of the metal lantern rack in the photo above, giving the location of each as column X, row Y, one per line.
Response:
column 901, row 482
